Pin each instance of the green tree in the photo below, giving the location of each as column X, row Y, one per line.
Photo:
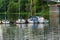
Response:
column 4, row 5
column 12, row 17
column 13, row 7
column 13, row 11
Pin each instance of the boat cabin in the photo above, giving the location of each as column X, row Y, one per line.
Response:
column 33, row 18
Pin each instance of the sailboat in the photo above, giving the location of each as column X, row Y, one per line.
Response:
column 5, row 20
column 33, row 18
column 20, row 21
column 41, row 19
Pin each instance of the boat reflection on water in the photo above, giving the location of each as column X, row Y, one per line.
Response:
column 28, row 32
column 23, row 31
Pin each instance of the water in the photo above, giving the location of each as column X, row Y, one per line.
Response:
column 28, row 32
column 1, row 33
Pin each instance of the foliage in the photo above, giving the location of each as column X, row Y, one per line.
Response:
column 26, row 7
column 13, row 7
column 12, row 17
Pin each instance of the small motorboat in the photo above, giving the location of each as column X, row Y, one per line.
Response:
column 29, row 21
column 20, row 21
column 40, row 19
column 33, row 19
column 5, row 21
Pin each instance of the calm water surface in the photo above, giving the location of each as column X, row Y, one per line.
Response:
column 28, row 32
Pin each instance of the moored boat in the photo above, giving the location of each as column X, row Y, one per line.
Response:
column 20, row 21
column 33, row 19
column 5, row 21
column 40, row 19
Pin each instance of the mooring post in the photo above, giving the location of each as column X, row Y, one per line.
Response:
column 54, row 15
column 55, row 20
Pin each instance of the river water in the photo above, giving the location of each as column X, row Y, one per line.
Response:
column 28, row 32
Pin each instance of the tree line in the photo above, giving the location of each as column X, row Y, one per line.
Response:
column 24, row 8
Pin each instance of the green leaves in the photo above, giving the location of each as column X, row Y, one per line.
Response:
column 29, row 7
column 13, row 7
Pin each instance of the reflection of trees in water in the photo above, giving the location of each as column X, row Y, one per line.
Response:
column 37, row 31
column 46, row 30
column 11, row 33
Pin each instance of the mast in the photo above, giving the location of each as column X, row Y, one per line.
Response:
column 34, row 3
column 33, row 8
column 19, row 8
